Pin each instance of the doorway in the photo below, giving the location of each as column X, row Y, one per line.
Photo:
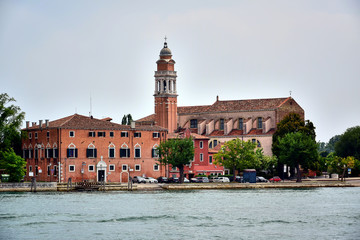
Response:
column 101, row 175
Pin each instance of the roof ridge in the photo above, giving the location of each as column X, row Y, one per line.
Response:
column 70, row 118
column 284, row 101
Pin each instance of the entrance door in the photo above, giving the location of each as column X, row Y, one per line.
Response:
column 101, row 175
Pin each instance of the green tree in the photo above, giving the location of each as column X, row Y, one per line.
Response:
column 176, row 152
column 11, row 118
column 238, row 154
column 340, row 164
column 13, row 164
column 349, row 143
column 297, row 148
column 124, row 120
column 129, row 119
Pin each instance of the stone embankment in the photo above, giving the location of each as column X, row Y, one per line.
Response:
column 53, row 186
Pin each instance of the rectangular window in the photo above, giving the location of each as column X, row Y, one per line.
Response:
column 111, row 134
column 48, row 170
column 30, row 169
column 156, row 167
column 124, row 167
column 72, row 134
column 91, row 168
column 111, row 167
column 48, row 134
column 55, row 153
column 71, row 168
column 55, row 170
column 193, row 123
column 201, row 157
column 210, row 159
column 137, row 134
column 124, row 134
column 36, row 170
column 91, row 153
column 241, row 123
column 201, row 144
column 221, row 124
column 30, row 135
column 91, row 134
column 156, row 135
column 174, row 168
column 137, row 167
column 72, row 153
column 154, row 153
column 101, row 134
column 260, row 123
column 48, row 153
column 124, row 152
column 111, row 152
column 137, row 153
column 36, row 153
column 30, row 153
column 36, row 135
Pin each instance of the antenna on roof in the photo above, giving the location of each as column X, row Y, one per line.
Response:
column 290, row 93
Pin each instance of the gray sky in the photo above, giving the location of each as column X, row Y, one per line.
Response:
column 55, row 54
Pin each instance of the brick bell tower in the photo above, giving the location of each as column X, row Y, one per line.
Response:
column 165, row 91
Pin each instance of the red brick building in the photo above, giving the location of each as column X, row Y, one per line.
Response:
column 85, row 148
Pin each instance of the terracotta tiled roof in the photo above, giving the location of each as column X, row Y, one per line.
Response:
column 150, row 118
column 235, row 105
column 181, row 135
column 217, row 133
column 77, row 121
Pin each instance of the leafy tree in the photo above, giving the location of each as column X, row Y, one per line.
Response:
column 176, row 152
column 13, row 164
column 124, row 120
column 11, row 118
column 297, row 148
column 349, row 143
column 238, row 154
column 339, row 165
column 330, row 146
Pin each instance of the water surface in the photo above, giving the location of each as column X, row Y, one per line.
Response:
column 320, row 213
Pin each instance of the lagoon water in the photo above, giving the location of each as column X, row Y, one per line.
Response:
column 320, row 213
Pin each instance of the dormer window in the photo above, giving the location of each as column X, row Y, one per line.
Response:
column 193, row 123
column 260, row 123
column 241, row 123
column 221, row 124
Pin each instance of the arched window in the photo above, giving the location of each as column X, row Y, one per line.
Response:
column 258, row 144
column 124, row 151
column 48, row 151
column 91, row 151
column 137, row 150
column 72, row 151
column 154, row 151
column 111, row 150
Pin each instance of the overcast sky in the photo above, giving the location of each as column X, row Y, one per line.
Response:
column 54, row 55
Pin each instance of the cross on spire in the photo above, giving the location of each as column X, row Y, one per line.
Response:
column 165, row 38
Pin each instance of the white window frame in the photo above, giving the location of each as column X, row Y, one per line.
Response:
column 36, row 135
column 30, row 168
column 156, row 168
column 156, row 134
column 92, row 133
column 138, row 165
column 70, row 168
column 73, row 132
column 55, row 172
column 210, row 156
column 48, row 170
column 122, row 167
column 137, row 134
column 111, row 146
column 112, row 165
column 201, row 144
column 201, row 157
column 125, row 133
column 93, row 168
column 30, row 135
column 137, row 147
column 47, row 134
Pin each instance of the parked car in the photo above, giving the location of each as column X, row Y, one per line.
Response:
column 163, row 180
column 203, row 179
column 186, row 180
column 194, row 180
column 237, row 179
column 275, row 179
column 222, row 179
column 261, row 179
column 213, row 179
column 173, row 180
column 151, row 180
column 138, row 179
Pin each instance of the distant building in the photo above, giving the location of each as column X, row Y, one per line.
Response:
column 85, row 148
column 253, row 119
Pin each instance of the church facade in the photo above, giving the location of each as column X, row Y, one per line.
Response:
column 251, row 119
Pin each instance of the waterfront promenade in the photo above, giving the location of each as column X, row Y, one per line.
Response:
column 307, row 183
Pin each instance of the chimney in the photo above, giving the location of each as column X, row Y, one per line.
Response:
column 27, row 124
column 47, row 123
column 33, row 124
column 217, row 98
column 40, row 123
column 132, row 125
